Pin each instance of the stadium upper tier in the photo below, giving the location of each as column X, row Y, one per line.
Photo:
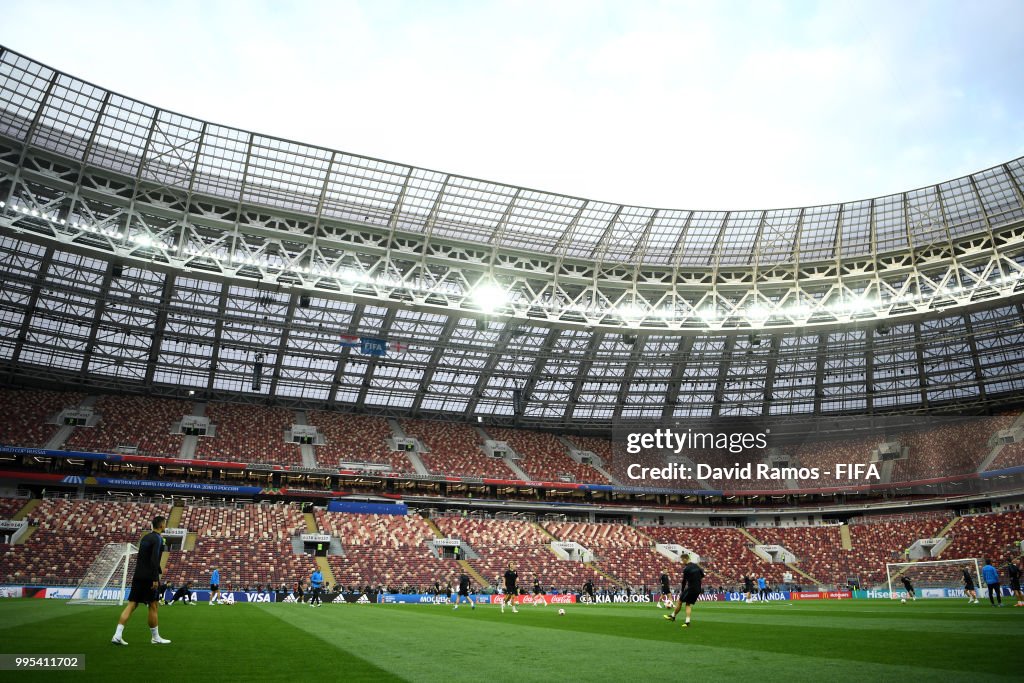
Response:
column 920, row 451
column 142, row 246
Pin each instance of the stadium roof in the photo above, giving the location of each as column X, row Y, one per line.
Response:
column 146, row 249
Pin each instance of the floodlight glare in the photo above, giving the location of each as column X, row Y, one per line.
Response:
column 758, row 313
column 631, row 311
column 708, row 314
column 489, row 297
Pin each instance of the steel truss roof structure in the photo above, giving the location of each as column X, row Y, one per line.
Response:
column 146, row 249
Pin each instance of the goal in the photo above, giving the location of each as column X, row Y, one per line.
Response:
column 938, row 574
column 105, row 580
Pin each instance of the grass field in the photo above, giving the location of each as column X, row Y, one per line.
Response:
column 850, row 640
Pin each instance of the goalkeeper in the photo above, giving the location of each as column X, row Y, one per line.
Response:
column 184, row 592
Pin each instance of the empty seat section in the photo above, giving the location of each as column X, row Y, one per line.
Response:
column 388, row 550
column 725, row 553
column 544, row 457
column 139, row 421
column 249, row 544
column 620, row 550
column 71, row 535
column 355, row 438
column 499, row 542
column 454, row 449
column 23, row 415
column 249, row 434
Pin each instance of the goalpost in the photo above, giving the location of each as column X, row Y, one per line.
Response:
column 931, row 574
column 107, row 577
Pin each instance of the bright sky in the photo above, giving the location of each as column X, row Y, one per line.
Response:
column 692, row 105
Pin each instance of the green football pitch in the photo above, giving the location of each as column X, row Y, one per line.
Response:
column 946, row 640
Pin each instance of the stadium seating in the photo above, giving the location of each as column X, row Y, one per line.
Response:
column 388, row 531
column 947, row 449
column 454, row 449
column 250, row 545
column 818, row 549
column 600, row 447
column 825, row 455
column 1011, row 455
column 355, row 438
column 140, row 421
column 724, row 551
column 241, row 561
column 993, row 536
column 878, row 541
column 271, row 522
column 71, row 534
column 10, row 506
column 249, row 434
column 389, row 550
column 620, row 550
column 499, row 542
column 23, row 415
column 931, row 576
column 544, row 457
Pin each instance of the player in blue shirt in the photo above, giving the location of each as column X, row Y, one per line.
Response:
column 762, row 588
column 991, row 577
column 215, row 586
column 315, row 582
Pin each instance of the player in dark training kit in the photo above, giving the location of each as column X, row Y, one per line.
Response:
column 463, row 592
column 588, row 590
column 972, row 595
column 145, row 584
column 910, row 587
column 511, row 591
column 748, row 586
column 1013, row 571
column 690, row 591
column 183, row 593
column 666, row 591
column 538, row 593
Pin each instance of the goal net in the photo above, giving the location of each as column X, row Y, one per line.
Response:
column 106, row 578
column 944, row 575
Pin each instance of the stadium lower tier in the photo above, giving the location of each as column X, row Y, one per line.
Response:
column 392, row 567
column 240, row 561
column 261, row 544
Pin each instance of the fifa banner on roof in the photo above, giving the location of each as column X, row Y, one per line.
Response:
column 369, row 346
column 373, row 347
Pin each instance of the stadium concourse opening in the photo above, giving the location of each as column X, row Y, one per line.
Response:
column 374, row 409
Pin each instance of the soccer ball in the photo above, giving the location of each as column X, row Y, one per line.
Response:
column 561, row 612
column 903, row 600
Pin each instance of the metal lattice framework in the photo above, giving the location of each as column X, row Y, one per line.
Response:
column 143, row 248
